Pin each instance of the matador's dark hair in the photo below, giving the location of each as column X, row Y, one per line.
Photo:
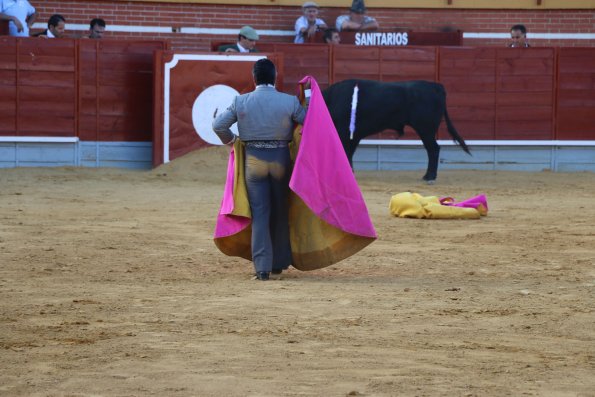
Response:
column 264, row 72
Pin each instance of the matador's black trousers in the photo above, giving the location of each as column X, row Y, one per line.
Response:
column 267, row 173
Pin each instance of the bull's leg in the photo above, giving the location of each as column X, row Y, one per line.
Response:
column 433, row 151
column 349, row 148
column 350, row 153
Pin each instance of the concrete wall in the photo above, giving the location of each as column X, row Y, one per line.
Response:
column 133, row 155
column 369, row 156
column 553, row 157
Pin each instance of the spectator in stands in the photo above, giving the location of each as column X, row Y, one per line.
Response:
column 56, row 26
column 20, row 15
column 518, row 35
column 331, row 36
column 246, row 41
column 96, row 28
column 357, row 19
column 309, row 23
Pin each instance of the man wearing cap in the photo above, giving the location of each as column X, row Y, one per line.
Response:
column 357, row 19
column 309, row 23
column 246, row 42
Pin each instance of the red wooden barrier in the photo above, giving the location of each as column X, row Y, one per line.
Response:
column 383, row 63
column 315, row 61
column 96, row 90
column 492, row 93
column 525, row 93
column 575, row 116
column 39, row 87
column 115, row 89
column 469, row 76
column 3, row 28
column 8, row 86
column 102, row 90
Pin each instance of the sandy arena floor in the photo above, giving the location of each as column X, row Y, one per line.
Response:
column 110, row 284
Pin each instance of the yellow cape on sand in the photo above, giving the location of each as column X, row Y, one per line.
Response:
column 413, row 205
column 315, row 244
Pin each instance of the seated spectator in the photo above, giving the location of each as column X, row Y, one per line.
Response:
column 20, row 15
column 518, row 35
column 56, row 26
column 96, row 28
column 246, row 42
column 357, row 19
column 331, row 36
column 309, row 23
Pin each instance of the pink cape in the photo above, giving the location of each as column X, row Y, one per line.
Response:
column 227, row 223
column 325, row 184
column 322, row 176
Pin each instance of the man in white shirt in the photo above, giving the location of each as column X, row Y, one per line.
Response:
column 20, row 14
column 309, row 23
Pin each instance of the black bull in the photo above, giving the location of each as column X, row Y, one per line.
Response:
column 391, row 106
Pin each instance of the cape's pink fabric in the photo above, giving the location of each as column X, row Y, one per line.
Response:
column 473, row 202
column 322, row 176
column 227, row 224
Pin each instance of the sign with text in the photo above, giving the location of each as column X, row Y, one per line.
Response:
column 381, row 38
column 397, row 38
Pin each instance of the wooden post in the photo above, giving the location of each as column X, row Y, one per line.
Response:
column 3, row 28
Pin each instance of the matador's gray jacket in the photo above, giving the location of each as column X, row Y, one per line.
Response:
column 264, row 114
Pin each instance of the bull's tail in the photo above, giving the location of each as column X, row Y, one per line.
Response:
column 453, row 132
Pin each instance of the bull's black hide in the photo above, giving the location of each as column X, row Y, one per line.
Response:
column 391, row 106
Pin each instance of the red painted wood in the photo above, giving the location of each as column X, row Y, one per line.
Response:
column 104, row 90
column 298, row 63
column 50, row 88
column 8, row 95
column 469, row 77
column 525, row 86
column 575, row 116
column 116, row 91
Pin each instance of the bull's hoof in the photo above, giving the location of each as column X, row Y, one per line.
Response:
column 429, row 181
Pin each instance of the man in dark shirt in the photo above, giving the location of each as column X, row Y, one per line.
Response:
column 96, row 28
column 246, row 42
column 56, row 27
column 518, row 36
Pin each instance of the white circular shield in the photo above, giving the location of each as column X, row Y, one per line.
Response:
column 210, row 103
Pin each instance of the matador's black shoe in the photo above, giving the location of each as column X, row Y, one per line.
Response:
column 276, row 274
column 262, row 276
